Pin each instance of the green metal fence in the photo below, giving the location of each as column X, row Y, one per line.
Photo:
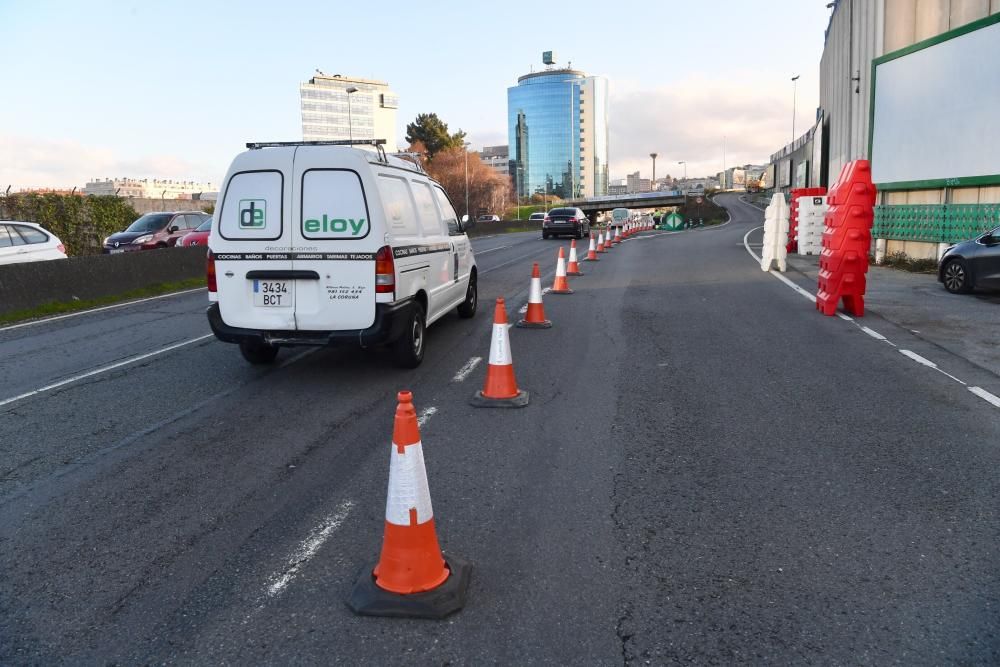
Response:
column 935, row 223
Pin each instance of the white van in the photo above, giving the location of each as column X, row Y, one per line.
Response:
column 619, row 217
column 320, row 243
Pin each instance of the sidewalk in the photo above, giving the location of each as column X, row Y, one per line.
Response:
column 967, row 325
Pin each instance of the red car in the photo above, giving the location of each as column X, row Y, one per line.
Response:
column 198, row 237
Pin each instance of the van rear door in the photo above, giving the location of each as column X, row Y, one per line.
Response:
column 251, row 242
column 333, row 240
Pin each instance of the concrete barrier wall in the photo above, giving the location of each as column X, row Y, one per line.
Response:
column 29, row 285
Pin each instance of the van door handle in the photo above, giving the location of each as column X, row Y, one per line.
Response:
column 279, row 274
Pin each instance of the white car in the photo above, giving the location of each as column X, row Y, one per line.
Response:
column 330, row 244
column 28, row 242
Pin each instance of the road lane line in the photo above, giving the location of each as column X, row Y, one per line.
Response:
column 484, row 252
column 917, row 358
column 55, row 318
column 103, row 369
column 874, row 334
column 986, row 396
column 464, row 371
column 309, row 548
column 425, row 415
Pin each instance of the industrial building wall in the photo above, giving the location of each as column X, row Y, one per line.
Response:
column 859, row 31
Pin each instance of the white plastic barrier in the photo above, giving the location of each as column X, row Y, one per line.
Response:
column 812, row 211
column 775, row 234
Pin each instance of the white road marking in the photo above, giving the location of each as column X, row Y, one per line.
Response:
column 776, row 274
column 986, row 396
column 874, row 334
column 464, row 371
column 307, row 549
column 103, row 369
column 483, row 252
column 55, row 318
column 425, row 415
column 917, row 358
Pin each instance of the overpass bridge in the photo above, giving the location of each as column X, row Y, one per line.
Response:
column 660, row 199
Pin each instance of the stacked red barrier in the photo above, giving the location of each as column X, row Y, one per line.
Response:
column 793, row 220
column 847, row 237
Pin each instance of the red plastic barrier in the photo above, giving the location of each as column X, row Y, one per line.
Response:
column 847, row 237
column 793, row 218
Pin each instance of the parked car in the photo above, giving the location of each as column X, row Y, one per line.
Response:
column 972, row 264
column 488, row 218
column 561, row 221
column 154, row 230
column 537, row 217
column 27, row 242
column 365, row 250
column 198, row 237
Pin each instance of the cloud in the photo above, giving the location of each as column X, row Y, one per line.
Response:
column 31, row 162
column 688, row 120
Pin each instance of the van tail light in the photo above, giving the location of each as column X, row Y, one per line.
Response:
column 210, row 272
column 385, row 271
column 572, row 220
column 61, row 248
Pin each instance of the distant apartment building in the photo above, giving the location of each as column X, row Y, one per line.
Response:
column 618, row 187
column 150, row 188
column 636, row 183
column 496, row 158
column 336, row 107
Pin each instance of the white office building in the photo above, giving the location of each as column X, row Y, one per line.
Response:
column 338, row 107
column 149, row 188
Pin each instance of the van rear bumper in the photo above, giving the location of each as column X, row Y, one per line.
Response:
column 390, row 321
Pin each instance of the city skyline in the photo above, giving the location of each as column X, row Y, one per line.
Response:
column 193, row 103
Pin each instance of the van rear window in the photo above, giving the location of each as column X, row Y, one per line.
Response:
column 333, row 205
column 252, row 206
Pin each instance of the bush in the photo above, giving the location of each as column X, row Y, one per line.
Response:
column 81, row 223
column 900, row 260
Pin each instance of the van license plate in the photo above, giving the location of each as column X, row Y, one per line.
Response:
column 274, row 293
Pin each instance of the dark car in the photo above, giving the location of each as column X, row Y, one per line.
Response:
column 154, row 230
column 560, row 221
column 972, row 264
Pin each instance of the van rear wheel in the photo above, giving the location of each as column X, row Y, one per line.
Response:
column 467, row 309
column 258, row 353
column 408, row 349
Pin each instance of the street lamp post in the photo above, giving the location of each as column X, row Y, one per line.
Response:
column 466, row 146
column 794, row 91
column 653, row 182
column 350, row 122
column 685, row 169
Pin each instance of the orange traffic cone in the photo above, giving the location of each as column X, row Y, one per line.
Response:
column 618, row 235
column 592, row 250
column 412, row 577
column 561, row 285
column 573, row 269
column 500, row 389
column 600, row 243
column 535, row 317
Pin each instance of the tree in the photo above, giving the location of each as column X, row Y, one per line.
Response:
column 489, row 192
column 433, row 133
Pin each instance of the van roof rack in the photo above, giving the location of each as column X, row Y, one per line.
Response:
column 377, row 143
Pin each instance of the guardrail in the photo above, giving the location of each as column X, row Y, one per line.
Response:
column 32, row 284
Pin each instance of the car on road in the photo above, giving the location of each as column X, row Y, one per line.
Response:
column 537, row 217
column 154, row 230
column 488, row 218
column 972, row 264
column 565, row 221
column 198, row 237
column 22, row 242
column 332, row 244
column 619, row 217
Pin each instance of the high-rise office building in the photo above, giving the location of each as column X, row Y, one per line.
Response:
column 557, row 123
column 330, row 112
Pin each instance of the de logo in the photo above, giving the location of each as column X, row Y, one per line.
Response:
column 253, row 213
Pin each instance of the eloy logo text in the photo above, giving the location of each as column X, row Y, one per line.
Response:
column 334, row 225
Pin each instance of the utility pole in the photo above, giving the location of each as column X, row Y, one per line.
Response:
column 350, row 122
column 653, row 182
column 794, row 91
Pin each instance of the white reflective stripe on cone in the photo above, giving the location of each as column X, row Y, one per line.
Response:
column 535, row 291
column 408, row 486
column 572, row 253
column 561, row 267
column 500, row 347
column 592, row 246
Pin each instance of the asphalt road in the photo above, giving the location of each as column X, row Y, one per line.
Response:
column 708, row 471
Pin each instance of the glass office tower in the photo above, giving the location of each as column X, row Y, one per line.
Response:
column 557, row 125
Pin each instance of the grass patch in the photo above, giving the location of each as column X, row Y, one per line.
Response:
column 62, row 307
column 903, row 262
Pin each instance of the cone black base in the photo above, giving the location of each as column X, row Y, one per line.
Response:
column 574, row 273
column 525, row 324
column 368, row 599
column 480, row 401
column 561, row 291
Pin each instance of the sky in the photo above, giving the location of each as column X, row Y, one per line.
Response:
column 108, row 88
